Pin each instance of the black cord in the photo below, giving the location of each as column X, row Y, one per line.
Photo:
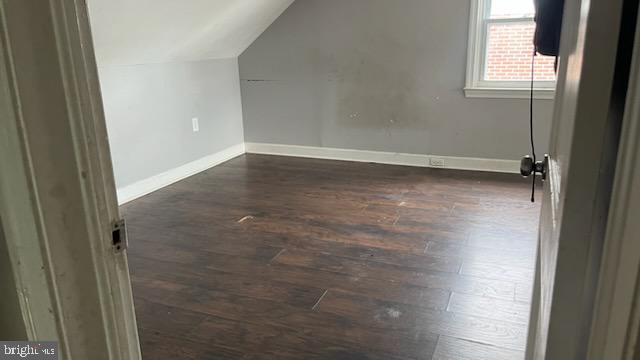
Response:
column 533, row 146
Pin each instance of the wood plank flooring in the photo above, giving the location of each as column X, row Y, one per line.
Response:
column 268, row 257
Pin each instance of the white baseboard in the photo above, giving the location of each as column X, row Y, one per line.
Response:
column 146, row 186
column 450, row 162
column 149, row 185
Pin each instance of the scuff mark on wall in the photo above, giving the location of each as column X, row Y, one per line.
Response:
column 257, row 80
column 377, row 87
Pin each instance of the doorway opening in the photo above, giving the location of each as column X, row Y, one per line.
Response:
column 251, row 238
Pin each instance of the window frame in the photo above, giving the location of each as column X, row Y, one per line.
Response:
column 476, row 86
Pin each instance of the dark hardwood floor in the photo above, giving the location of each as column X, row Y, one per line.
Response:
column 268, row 257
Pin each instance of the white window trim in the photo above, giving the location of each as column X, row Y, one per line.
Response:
column 475, row 87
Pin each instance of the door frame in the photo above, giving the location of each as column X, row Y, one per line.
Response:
column 58, row 199
column 616, row 320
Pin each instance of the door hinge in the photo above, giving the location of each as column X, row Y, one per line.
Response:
column 119, row 238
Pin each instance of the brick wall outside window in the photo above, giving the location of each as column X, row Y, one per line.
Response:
column 509, row 51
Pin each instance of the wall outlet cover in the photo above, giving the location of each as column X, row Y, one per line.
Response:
column 436, row 162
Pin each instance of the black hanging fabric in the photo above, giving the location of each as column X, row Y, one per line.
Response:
column 548, row 26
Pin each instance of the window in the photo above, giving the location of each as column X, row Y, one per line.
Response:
column 500, row 50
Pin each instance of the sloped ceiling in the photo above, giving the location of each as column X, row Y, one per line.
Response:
column 128, row 32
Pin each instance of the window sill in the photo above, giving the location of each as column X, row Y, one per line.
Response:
column 509, row 93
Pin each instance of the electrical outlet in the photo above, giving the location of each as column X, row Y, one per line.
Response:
column 436, row 162
column 196, row 125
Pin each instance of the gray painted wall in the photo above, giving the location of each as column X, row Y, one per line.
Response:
column 149, row 110
column 157, row 71
column 377, row 75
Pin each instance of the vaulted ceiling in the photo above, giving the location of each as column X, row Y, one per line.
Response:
column 130, row 32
